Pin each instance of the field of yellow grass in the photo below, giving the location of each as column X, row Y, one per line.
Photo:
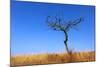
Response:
column 37, row 59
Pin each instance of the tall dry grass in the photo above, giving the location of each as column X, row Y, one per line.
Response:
column 37, row 59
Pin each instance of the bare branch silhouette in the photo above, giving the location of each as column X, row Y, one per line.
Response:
column 59, row 24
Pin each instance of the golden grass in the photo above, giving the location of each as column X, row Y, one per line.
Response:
column 52, row 58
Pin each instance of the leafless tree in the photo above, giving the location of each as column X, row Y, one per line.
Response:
column 59, row 24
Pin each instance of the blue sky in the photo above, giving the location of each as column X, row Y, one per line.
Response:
column 30, row 34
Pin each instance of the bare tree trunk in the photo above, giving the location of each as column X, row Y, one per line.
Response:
column 65, row 41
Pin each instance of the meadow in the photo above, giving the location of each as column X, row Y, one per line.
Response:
column 54, row 58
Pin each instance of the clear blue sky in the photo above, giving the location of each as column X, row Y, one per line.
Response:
column 30, row 34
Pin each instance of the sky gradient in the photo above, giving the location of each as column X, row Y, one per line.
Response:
column 30, row 34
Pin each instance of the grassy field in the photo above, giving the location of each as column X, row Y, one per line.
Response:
column 37, row 59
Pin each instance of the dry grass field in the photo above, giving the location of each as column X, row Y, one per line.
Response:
column 37, row 59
